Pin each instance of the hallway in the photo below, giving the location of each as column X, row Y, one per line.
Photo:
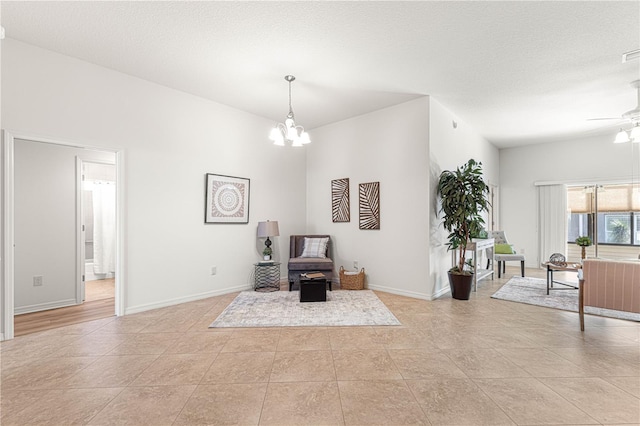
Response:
column 99, row 303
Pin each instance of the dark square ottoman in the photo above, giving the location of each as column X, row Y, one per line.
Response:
column 313, row 290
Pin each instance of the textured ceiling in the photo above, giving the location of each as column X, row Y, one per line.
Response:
column 518, row 72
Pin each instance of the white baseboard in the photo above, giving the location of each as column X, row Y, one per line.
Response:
column 440, row 293
column 185, row 299
column 391, row 290
column 44, row 306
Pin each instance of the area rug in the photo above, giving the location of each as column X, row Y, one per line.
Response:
column 533, row 291
column 283, row 309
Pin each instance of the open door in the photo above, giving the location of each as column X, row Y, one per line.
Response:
column 96, row 195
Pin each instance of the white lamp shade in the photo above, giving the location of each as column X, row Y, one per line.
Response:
column 621, row 137
column 276, row 136
column 635, row 134
column 268, row 229
column 305, row 138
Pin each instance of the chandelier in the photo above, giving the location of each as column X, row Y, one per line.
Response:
column 288, row 131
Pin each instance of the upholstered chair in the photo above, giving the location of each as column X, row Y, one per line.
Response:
column 502, row 258
column 301, row 262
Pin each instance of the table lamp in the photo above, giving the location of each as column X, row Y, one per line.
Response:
column 268, row 229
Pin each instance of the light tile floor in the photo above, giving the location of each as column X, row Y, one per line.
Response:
column 481, row 361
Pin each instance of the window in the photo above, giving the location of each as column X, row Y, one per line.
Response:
column 614, row 228
column 610, row 211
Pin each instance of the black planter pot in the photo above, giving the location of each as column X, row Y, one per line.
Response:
column 460, row 286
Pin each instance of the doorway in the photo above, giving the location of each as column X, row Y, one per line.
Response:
column 43, row 247
column 97, row 229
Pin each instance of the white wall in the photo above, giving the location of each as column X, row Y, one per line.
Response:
column 405, row 147
column 389, row 146
column 170, row 140
column 591, row 159
column 450, row 148
column 45, row 223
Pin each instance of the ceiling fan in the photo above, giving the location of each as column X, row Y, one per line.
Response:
column 631, row 116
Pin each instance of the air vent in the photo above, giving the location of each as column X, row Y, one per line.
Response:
column 630, row 56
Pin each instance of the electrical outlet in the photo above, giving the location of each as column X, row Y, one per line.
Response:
column 355, row 265
column 521, row 251
column 37, row 280
column 214, row 270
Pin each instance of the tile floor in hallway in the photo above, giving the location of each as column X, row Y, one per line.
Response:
column 481, row 361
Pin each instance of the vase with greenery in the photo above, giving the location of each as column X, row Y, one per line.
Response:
column 464, row 197
column 584, row 242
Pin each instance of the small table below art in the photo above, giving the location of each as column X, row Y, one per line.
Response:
column 266, row 276
column 552, row 267
column 313, row 289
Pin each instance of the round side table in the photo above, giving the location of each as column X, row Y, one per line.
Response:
column 267, row 276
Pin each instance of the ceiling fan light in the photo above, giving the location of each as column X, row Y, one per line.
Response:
column 635, row 134
column 621, row 137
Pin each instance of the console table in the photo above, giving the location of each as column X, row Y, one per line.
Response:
column 477, row 246
column 266, row 276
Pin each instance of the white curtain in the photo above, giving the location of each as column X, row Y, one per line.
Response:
column 552, row 220
column 104, row 227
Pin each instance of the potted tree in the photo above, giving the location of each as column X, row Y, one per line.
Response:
column 463, row 194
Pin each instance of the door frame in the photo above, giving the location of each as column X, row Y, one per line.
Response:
column 8, row 224
column 81, row 160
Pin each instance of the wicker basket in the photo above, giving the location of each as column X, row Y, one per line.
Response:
column 351, row 281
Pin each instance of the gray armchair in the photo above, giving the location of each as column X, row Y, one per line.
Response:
column 501, row 238
column 300, row 265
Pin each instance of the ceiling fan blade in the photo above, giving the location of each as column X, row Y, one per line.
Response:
column 605, row 118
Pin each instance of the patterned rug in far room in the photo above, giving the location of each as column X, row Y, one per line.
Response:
column 533, row 291
column 283, row 309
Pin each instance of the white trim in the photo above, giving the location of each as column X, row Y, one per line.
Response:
column 45, row 306
column 8, row 223
column 8, row 235
column 79, row 232
column 121, row 265
column 185, row 299
column 391, row 290
column 441, row 293
column 590, row 181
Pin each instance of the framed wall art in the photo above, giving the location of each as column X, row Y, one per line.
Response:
column 369, row 205
column 340, row 207
column 226, row 199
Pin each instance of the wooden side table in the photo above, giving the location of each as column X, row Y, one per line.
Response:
column 552, row 267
